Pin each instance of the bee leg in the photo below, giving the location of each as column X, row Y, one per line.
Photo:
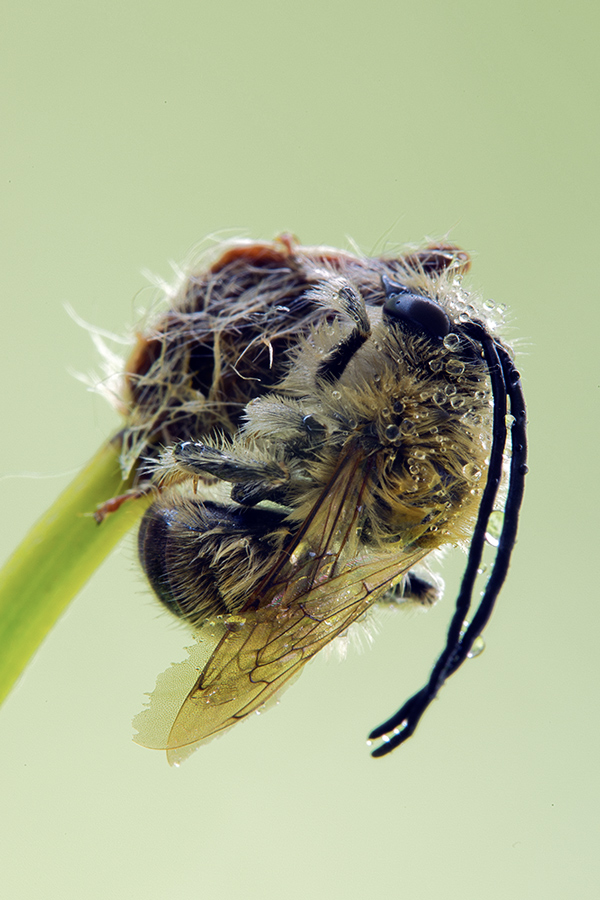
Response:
column 412, row 589
column 349, row 302
column 115, row 503
column 419, row 590
column 253, row 479
column 197, row 458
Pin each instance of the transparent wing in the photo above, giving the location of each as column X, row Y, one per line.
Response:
column 317, row 587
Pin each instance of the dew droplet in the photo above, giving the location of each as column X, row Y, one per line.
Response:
column 408, row 427
column 489, row 305
column 451, row 341
column 455, row 367
column 336, row 395
column 457, row 402
column 477, row 648
column 435, row 364
column 392, row 432
column 472, row 472
column 509, row 420
column 494, row 528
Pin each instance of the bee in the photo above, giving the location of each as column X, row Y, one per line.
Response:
column 326, row 421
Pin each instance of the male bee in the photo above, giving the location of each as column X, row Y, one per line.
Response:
column 326, row 421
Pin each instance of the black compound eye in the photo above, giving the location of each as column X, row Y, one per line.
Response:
column 415, row 310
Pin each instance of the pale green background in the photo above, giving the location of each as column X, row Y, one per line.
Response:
column 131, row 131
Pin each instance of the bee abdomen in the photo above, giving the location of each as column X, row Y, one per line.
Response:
column 203, row 559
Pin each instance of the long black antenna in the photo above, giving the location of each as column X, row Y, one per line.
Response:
column 505, row 382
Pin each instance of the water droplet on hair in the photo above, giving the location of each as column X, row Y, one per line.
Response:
column 489, row 305
column 472, row 472
column 408, row 427
column 451, row 341
column 435, row 364
column 494, row 528
column 509, row 420
column 477, row 648
column 336, row 395
column 455, row 367
column 392, row 432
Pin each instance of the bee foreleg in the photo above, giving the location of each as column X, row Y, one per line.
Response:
column 196, row 458
column 349, row 302
column 253, row 479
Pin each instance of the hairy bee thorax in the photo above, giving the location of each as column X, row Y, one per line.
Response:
column 414, row 406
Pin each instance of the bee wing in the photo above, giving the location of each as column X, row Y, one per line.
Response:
column 312, row 593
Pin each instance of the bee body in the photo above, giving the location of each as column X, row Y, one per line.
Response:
column 305, row 491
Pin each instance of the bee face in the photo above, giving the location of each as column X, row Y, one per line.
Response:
column 293, row 499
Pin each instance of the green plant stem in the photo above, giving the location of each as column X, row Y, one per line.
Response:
column 57, row 557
